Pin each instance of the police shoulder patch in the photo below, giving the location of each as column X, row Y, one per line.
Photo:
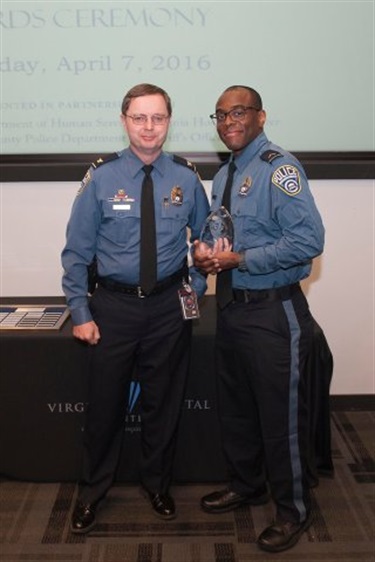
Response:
column 84, row 183
column 287, row 178
column 270, row 155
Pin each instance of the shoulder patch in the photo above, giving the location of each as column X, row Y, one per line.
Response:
column 287, row 179
column 101, row 161
column 270, row 155
column 184, row 162
column 84, row 183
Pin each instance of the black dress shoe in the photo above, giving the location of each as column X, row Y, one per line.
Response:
column 283, row 535
column 226, row 500
column 83, row 518
column 163, row 505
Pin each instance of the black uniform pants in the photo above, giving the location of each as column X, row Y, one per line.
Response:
column 261, row 351
column 150, row 336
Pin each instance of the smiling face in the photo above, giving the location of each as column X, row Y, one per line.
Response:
column 237, row 134
column 147, row 139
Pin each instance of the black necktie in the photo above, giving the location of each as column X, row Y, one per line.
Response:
column 148, row 267
column 228, row 186
column 224, row 294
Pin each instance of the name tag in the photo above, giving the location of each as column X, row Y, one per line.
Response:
column 121, row 207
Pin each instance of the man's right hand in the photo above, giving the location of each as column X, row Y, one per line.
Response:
column 203, row 258
column 88, row 332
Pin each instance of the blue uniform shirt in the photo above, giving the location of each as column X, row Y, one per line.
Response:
column 274, row 215
column 105, row 221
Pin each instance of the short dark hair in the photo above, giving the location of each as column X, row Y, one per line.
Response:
column 255, row 94
column 145, row 90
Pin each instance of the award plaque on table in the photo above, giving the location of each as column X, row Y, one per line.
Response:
column 32, row 316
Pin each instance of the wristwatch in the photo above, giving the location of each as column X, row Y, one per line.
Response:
column 242, row 264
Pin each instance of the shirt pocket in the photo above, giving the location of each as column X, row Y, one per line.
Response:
column 121, row 222
column 246, row 224
column 173, row 218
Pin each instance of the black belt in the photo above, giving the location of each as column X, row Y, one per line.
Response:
column 136, row 290
column 253, row 295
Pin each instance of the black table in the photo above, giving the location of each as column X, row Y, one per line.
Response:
column 43, row 397
column 43, row 389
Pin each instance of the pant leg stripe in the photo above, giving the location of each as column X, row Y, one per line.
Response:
column 295, row 459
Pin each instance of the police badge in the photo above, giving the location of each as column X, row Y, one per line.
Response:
column 177, row 196
column 244, row 189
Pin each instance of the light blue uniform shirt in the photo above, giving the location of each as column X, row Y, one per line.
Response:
column 105, row 222
column 275, row 218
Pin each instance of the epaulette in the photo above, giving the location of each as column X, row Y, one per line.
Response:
column 184, row 162
column 104, row 160
column 270, row 155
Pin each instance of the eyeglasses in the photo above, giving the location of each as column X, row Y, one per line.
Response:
column 141, row 119
column 236, row 114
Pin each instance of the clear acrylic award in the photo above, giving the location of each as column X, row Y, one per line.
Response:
column 218, row 225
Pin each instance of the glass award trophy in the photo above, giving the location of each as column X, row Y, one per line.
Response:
column 218, row 225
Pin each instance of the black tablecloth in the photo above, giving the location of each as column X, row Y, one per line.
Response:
column 43, row 389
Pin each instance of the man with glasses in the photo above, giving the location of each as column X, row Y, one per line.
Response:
column 130, row 218
column 264, row 327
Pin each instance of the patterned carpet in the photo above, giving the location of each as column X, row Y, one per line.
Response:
column 34, row 517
